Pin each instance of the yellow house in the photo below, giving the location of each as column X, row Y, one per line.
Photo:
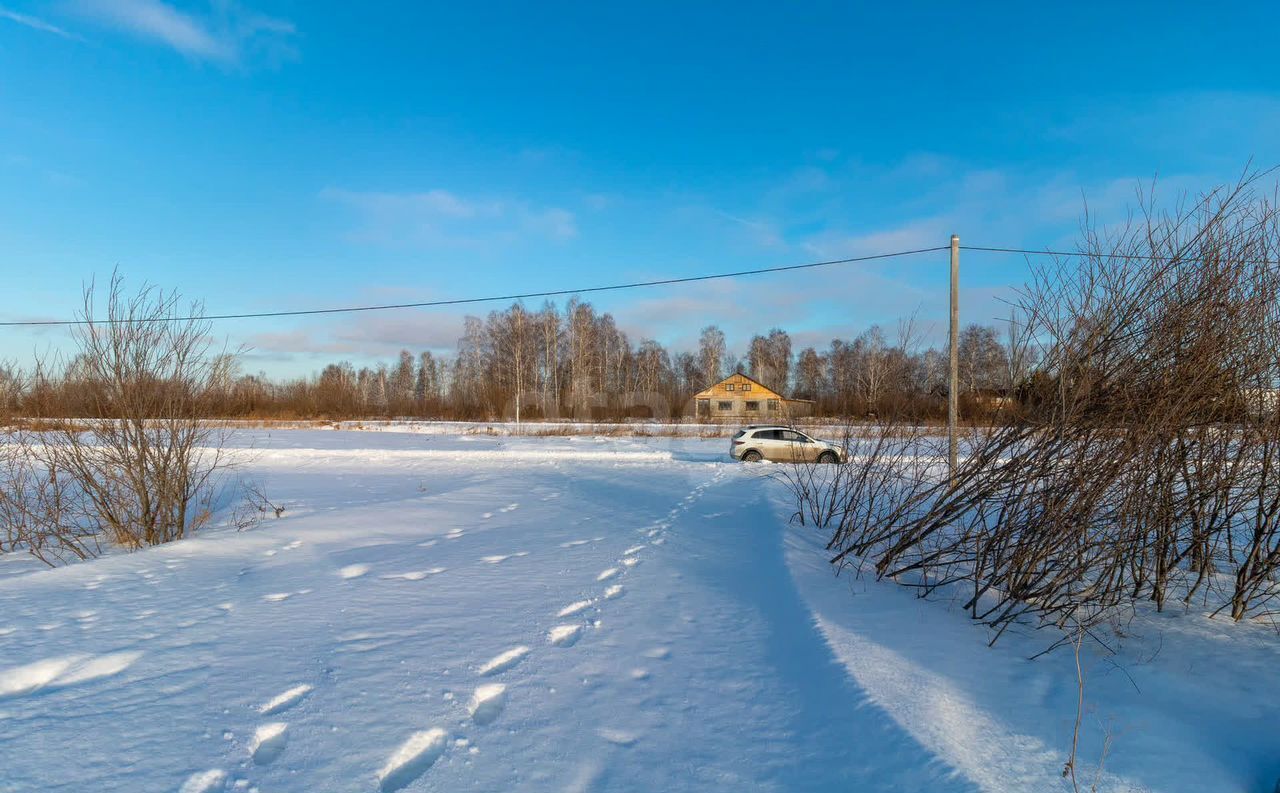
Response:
column 738, row 397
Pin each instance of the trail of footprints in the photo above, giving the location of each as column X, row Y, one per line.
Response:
column 420, row 750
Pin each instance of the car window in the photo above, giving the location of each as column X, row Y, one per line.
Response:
column 739, row 434
column 767, row 435
column 794, row 437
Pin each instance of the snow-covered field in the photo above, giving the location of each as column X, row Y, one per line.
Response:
column 467, row 612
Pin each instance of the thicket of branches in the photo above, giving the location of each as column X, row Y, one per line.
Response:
column 139, row 471
column 1149, row 466
column 574, row 362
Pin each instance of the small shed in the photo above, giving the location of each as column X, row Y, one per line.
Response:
column 738, row 398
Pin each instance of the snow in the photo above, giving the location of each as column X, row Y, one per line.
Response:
column 574, row 608
column 444, row 612
column 412, row 758
column 268, row 742
column 503, row 661
column 564, row 635
column 285, row 700
column 487, row 702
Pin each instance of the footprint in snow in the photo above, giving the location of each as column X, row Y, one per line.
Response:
column 617, row 737
column 268, row 742
column 412, row 759
column 658, row 653
column 354, row 570
column 503, row 661
column 631, row 561
column 612, row 592
column 415, row 575
column 607, row 574
column 574, row 543
column 509, row 508
column 499, row 558
column 633, row 550
column 285, row 700
column 455, row 534
column 574, row 608
column 205, row 781
column 564, row 635
column 487, row 702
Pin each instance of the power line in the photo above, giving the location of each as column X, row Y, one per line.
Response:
column 489, row 299
column 591, row 289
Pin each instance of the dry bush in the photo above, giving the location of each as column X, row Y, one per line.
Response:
column 1146, row 462
column 142, row 470
column 41, row 508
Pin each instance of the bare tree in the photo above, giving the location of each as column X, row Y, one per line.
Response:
column 712, row 354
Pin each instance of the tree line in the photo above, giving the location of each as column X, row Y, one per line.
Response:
column 575, row 362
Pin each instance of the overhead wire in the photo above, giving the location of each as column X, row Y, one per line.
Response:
column 485, row 299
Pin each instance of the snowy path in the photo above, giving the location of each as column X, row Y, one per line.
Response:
column 592, row 620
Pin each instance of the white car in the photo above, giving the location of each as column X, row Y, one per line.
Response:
column 781, row 445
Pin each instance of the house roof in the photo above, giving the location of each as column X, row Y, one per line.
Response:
column 751, row 379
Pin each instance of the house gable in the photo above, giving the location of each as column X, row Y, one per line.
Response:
column 738, row 386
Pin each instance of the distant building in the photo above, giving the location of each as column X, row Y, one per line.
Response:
column 738, row 398
column 992, row 399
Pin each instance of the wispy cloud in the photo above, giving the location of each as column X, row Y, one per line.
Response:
column 37, row 23
column 443, row 218
column 223, row 36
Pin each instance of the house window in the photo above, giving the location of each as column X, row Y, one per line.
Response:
column 724, row 406
column 746, row 386
column 728, row 387
column 753, row 406
column 773, row 405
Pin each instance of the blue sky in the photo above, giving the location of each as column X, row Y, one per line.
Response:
column 281, row 155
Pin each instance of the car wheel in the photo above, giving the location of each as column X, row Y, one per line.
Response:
column 752, row 456
column 828, row 458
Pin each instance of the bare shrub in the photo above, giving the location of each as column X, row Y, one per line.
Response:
column 1144, row 462
column 138, row 468
column 40, row 506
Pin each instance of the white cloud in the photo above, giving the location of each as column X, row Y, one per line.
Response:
column 364, row 337
column 37, row 23
column 441, row 218
column 554, row 222
column 928, row 233
column 222, row 37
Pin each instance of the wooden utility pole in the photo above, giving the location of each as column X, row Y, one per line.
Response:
column 953, row 372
